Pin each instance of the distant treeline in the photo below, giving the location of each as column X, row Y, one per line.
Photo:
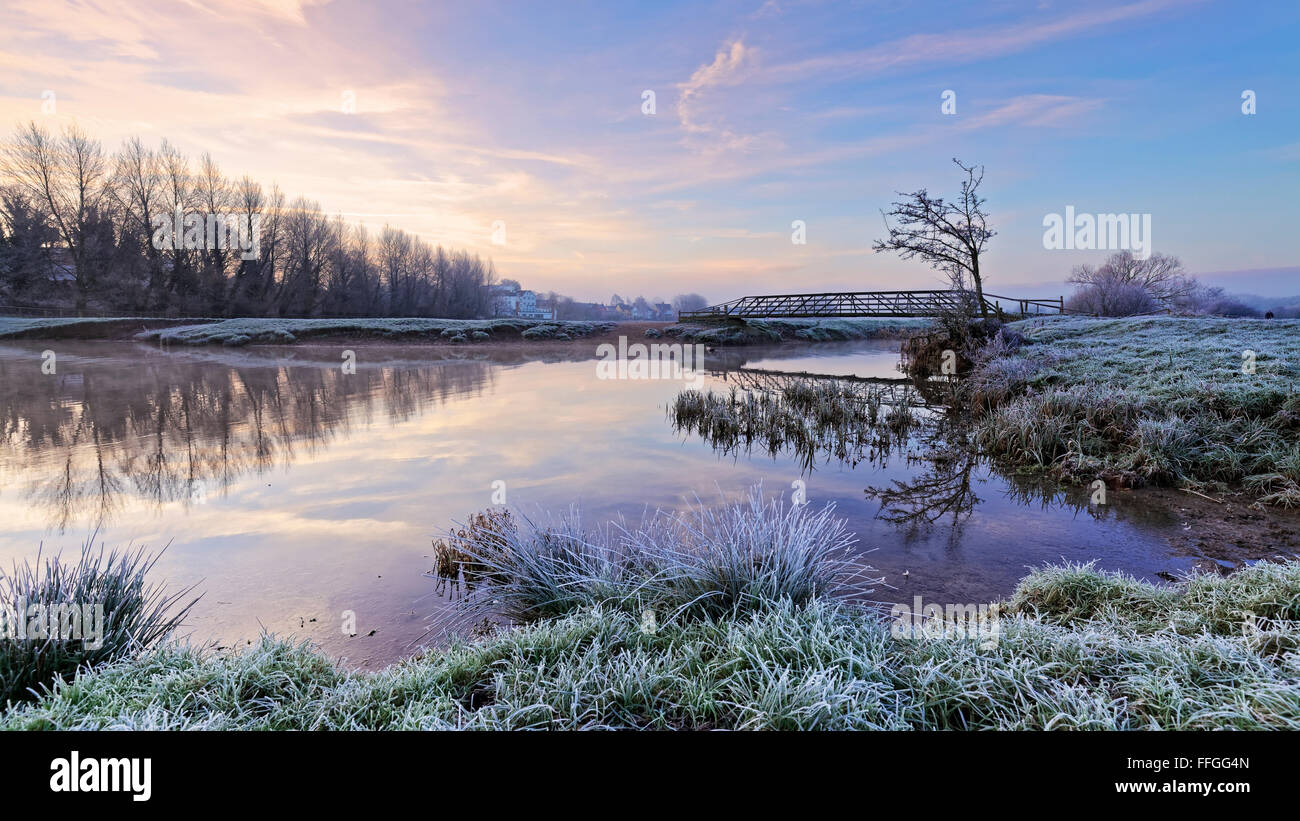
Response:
column 1126, row 285
column 86, row 230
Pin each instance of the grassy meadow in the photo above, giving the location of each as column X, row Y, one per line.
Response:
column 1200, row 402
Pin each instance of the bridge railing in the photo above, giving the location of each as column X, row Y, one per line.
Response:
column 865, row 303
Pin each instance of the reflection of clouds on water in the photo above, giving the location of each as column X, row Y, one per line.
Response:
column 172, row 430
column 323, row 492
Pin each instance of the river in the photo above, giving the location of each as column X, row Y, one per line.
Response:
column 290, row 491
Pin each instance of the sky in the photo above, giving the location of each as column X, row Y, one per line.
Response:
column 522, row 131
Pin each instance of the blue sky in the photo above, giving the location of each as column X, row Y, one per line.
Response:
column 530, row 115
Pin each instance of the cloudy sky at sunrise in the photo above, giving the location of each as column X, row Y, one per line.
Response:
column 765, row 113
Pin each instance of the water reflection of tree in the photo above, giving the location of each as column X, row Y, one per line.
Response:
column 169, row 430
column 764, row 411
column 945, row 485
column 942, row 488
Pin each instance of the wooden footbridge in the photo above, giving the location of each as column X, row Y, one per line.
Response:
column 870, row 303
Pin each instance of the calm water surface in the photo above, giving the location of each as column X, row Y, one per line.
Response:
column 291, row 492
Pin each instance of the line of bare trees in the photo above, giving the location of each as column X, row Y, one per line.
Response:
column 77, row 229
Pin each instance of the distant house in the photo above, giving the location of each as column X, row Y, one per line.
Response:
column 505, row 300
column 530, row 308
column 509, row 300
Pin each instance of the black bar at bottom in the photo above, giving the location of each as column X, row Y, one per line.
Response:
column 296, row 771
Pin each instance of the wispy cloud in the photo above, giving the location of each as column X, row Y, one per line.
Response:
column 463, row 117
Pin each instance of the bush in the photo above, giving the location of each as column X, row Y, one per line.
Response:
column 135, row 616
column 1110, row 298
column 541, row 332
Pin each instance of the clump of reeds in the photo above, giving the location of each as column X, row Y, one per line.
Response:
column 836, row 419
column 706, row 561
column 136, row 615
column 458, row 555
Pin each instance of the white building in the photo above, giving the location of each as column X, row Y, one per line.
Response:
column 509, row 300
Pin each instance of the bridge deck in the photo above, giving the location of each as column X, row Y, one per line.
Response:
column 866, row 304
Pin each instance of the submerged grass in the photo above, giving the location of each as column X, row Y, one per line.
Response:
column 833, row 419
column 1077, row 649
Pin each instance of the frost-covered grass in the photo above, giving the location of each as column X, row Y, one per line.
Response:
column 1075, row 649
column 245, row 331
column 236, row 332
column 708, row 561
column 759, row 331
column 65, row 327
column 1164, row 400
column 133, row 616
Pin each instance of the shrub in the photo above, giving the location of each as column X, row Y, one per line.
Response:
column 1111, row 298
column 541, row 332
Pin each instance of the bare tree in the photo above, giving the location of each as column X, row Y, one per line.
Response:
column 689, row 302
column 215, row 199
column 179, row 198
column 308, row 240
column 1160, row 275
column 68, row 176
column 1107, row 295
column 950, row 236
column 246, row 292
column 137, row 188
column 65, row 207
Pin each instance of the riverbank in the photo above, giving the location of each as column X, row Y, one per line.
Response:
column 1074, row 649
column 469, row 332
column 1206, row 404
